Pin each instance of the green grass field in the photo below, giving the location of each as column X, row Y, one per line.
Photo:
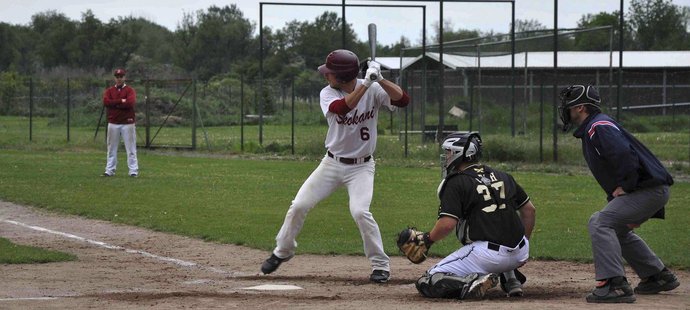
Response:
column 243, row 201
column 673, row 148
column 11, row 253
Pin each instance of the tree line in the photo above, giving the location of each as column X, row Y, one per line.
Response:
column 222, row 42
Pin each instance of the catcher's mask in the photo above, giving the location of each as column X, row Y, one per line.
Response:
column 576, row 95
column 460, row 147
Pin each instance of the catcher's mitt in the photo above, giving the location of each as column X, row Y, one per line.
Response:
column 414, row 244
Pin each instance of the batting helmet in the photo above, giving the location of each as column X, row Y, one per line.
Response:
column 343, row 63
column 463, row 147
column 576, row 95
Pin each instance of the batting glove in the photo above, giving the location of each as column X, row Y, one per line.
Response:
column 377, row 66
column 374, row 64
column 368, row 77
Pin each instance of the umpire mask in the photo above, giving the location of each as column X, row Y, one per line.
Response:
column 575, row 95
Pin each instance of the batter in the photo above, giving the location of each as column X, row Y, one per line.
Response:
column 351, row 107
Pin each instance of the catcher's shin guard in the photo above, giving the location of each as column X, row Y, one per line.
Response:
column 444, row 285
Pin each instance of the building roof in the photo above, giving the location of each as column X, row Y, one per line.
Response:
column 631, row 59
column 393, row 63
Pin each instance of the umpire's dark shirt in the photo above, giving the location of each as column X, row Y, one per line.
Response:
column 616, row 158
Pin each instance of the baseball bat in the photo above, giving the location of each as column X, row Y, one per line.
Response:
column 372, row 46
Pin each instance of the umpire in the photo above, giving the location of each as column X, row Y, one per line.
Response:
column 637, row 186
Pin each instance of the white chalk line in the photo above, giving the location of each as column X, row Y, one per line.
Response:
column 27, row 298
column 174, row 261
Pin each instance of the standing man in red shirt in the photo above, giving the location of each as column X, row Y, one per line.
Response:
column 120, row 100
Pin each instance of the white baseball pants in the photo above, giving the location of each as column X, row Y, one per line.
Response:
column 129, row 136
column 328, row 176
column 477, row 257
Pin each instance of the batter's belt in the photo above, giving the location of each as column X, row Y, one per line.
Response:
column 349, row 161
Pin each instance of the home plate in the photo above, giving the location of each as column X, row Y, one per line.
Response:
column 273, row 287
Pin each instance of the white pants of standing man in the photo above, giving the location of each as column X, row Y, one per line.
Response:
column 329, row 176
column 129, row 136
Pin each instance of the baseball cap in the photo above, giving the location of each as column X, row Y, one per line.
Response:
column 119, row 72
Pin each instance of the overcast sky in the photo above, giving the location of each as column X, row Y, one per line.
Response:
column 392, row 23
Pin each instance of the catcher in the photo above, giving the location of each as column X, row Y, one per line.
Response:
column 480, row 203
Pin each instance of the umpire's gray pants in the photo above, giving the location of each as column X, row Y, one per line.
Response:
column 613, row 240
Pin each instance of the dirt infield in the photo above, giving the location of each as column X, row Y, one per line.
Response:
column 124, row 267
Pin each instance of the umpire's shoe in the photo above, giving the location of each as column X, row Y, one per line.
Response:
column 272, row 263
column 613, row 290
column 379, row 276
column 665, row 280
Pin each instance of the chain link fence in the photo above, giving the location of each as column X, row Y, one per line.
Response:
column 229, row 116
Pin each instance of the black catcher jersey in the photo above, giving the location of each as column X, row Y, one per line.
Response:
column 485, row 202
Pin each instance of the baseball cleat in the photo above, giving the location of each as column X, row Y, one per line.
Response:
column 662, row 281
column 481, row 285
column 379, row 276
column 513, row 288
column 272, row 263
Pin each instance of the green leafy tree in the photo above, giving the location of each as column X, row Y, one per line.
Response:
column 315, row 40
column 395, row 48
column 449, row 34
column 658, row 25
column 599, row 40
column 10, row 85
column 56, row 32
column 295, row 51
column 530, row 28
column 525, row 28
column 119, row 43
column 9, row 53
column 211, row 42
column 26, row 60
column 156, row 41
column 82, row 48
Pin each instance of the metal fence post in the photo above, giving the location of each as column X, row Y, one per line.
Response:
column 411, row 84
column 194, row 115
column 471, row 102
column 31, row 108
column 100, row 117
column 541, row 122
column 405, row 81
column 68, row 108
column 147, row 113
column 292, row 117
column 242, row 112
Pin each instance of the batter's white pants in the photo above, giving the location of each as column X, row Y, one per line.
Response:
column 129, row 136
column 476, row 257
column 328, row 176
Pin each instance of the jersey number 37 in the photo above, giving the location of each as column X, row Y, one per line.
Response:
column 486, row 193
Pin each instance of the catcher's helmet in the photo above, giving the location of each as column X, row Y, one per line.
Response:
column 576, row 95
column 343, row 63
column 463, row 147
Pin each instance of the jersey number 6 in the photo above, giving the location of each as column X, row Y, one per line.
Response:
column 364, row 133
